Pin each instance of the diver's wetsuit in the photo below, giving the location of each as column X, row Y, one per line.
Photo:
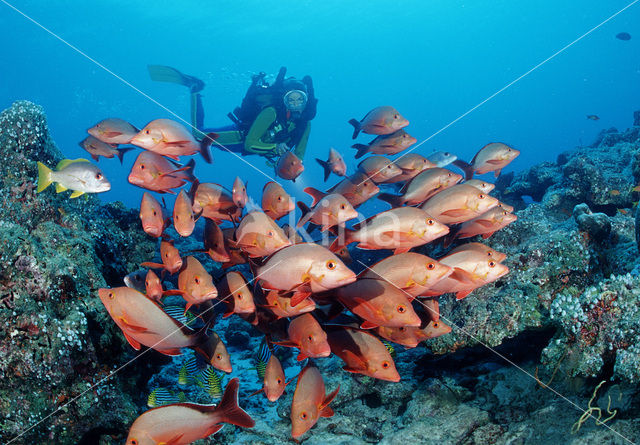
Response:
column 264, row 134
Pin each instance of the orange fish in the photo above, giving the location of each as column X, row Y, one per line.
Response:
column 306, row 334
column 423, row 186
column 435, row 329
column 258, row 235
column 274, row 380
column 289, row 166
column 171, row 261
column 184, row 219
column 213, row 240
column 239, row 193
column 216, row 203
column 614, row 192
column 378, row 302
column 380, row 120
column 96, row 148
column 233, row 288
column 292, row 234
column 357, row 189
column 411, row 272
column 113, row 131
column 152, row 216
column 143, row 322
column 195, row 284
column 388, row 144
column 636, row 188
column 458, row 204
column 399, row 229
column 279, row 303
column 236, row 256
column 484, row 186
column 486, row 224
column 309, row 401
column 276, row 203
column 331, row 210
column 507, row 207
column 362, row 353
column 153, row 286
column 482, row 248
column 411, row 164
column 471, row 270
column 171, row 139
column 407, row 336
column 379, row 169
column 492, row 157
column 335, row 164
column 214, row 350
column 153, row 172
column 303, row 268
column 184, row 423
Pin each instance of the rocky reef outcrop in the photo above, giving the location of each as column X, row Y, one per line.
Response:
column 56, row 340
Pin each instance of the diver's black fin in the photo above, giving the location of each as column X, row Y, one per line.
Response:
column 163, row 73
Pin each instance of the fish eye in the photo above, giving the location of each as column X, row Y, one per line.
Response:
column 481, row 196
column 134, row 442
column 402, row 329
column 310, row 338
column 218, row 356
column 303, row 415
column 111, row 295
column 331, row 265
column 141, row 166
column 270, row 233
column 166, row 255
column 147, row 131
column 401, row 308
column 492, row 263
column 430, row 222
column 436, row 324
column 240, row 297
column 395, row 116
column 342, row 206
column 278, row 380
column 386, row 365
column 431, row 266
column 279, row 198
column 98, row 175
column 197, row 280
column 146, row 283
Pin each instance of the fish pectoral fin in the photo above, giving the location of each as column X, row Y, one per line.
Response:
column 176, row 439
column 134, row 343
column 365, row 304
column 455, row 212
column 298, row 297
column 462, row 276
column 368, row 325
column 400, row 250
column 168, row 292
column 484, row 222
column 152, row 265
column 170, row 351
column 287, row 343
column 325, row 411
column 132, row 327
column 494, row 161
column 487, row 235
column 76, row 193
column 112, row 134
column 301, row 356
column 228, row 314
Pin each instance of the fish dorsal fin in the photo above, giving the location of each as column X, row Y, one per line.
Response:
column 66, row 162
column 359, row 225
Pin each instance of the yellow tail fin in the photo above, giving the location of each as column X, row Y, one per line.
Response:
column 44, row 177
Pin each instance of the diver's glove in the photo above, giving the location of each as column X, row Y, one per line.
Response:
column 280, row 149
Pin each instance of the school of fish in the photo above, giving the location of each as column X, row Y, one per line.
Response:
column 298, row 292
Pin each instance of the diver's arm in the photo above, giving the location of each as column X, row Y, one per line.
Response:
column 253, row 143
column 301, row 146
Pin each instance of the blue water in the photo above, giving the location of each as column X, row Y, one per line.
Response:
column 432, row 60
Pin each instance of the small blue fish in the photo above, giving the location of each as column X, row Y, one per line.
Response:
column 442, row 158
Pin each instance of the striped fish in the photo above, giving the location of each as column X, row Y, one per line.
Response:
column 164, row 396
column 390, row 348
column 211, row 381
column 177, row 313
column 264, row 354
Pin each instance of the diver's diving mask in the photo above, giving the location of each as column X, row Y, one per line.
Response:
column 295, row 100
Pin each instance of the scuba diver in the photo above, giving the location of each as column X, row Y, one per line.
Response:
column 271, row 120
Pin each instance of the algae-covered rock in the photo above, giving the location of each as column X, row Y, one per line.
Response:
column 55, row 336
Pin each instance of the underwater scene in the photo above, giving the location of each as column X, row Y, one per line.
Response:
column 361, row 222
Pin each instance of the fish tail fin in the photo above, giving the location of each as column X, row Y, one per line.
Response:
column 189, row 169
column 44, row 177
column 362, row 150
column 466, row 168
column 230, row 411
column 316, row 194
column 122, row 151
column 326, row 167
column 394, row 200
column 305, row 214
column 450, row 237
column 205, row 143
column 356, row 128
column 340, row 242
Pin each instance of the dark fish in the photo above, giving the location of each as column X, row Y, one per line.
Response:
column 623, row 36
column 593, row 117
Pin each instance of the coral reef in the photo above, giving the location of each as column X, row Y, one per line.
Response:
column 54, row 254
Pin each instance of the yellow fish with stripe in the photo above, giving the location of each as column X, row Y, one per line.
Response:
column 78, row 175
